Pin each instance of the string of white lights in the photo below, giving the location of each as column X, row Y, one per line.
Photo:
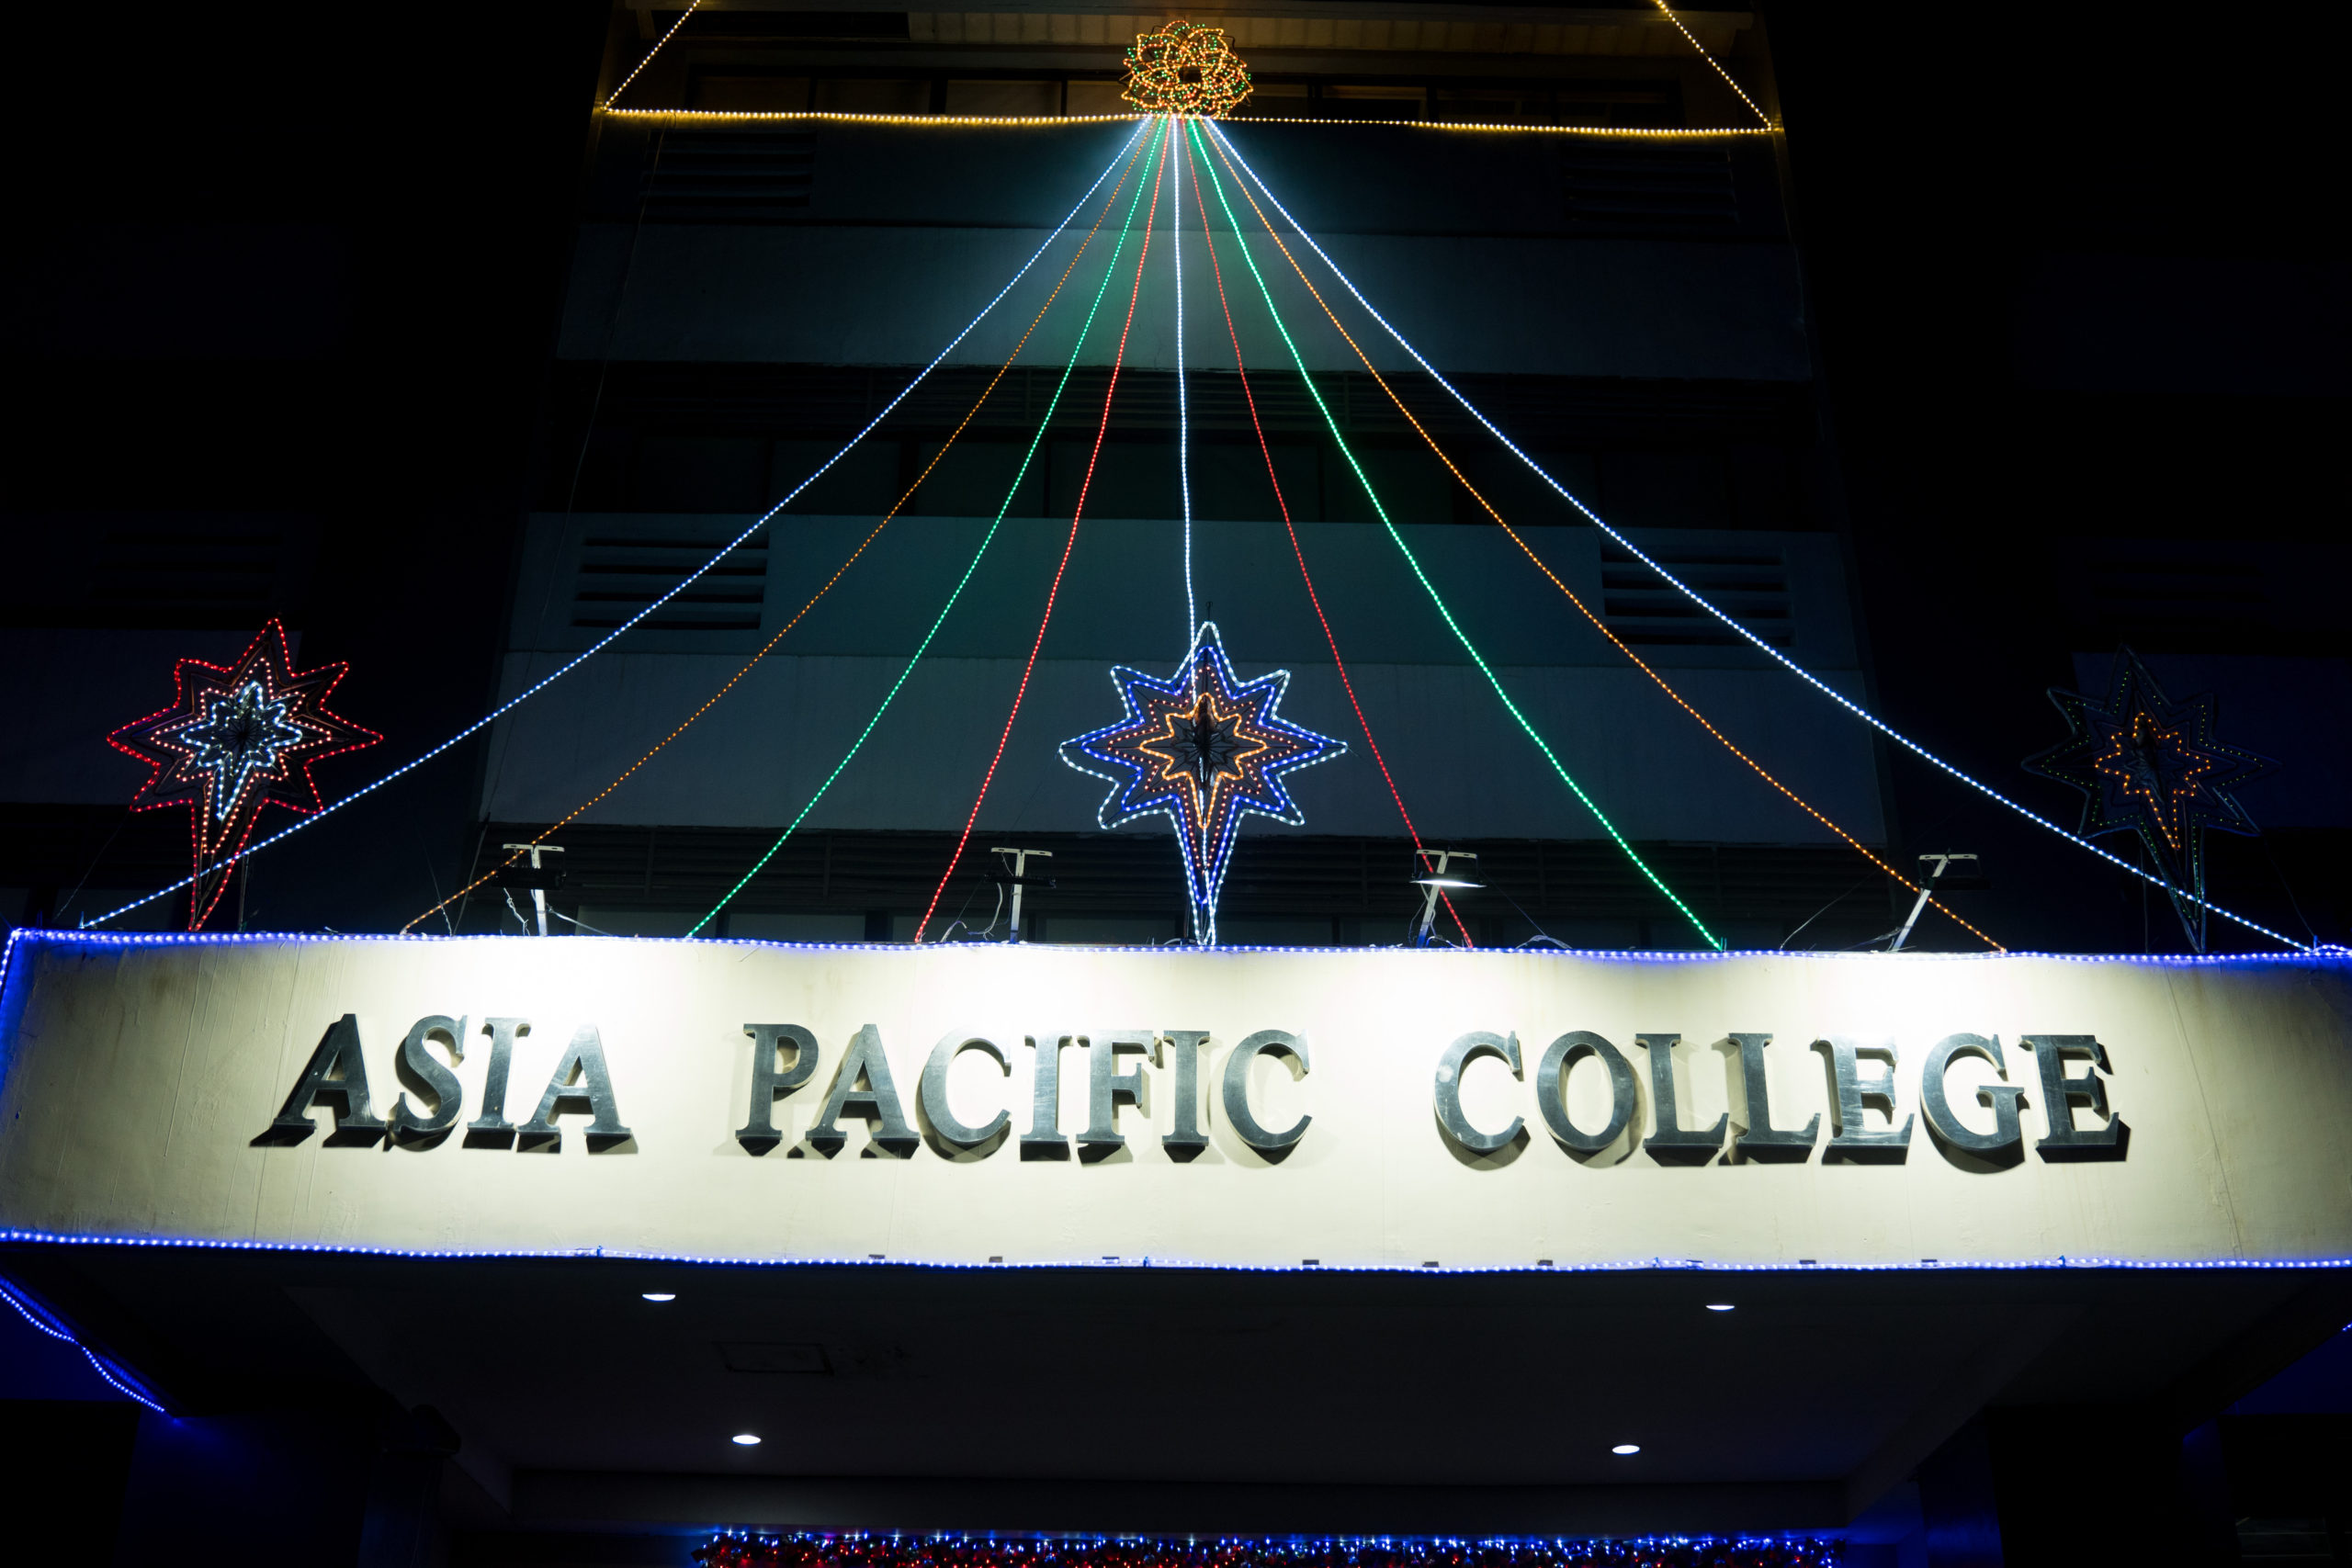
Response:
column 1183, row 422
column 1856, row 709
column 610, row 638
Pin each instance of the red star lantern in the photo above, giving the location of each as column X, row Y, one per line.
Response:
column 236, row 738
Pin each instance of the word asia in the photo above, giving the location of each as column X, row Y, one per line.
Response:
column 1860, row 1081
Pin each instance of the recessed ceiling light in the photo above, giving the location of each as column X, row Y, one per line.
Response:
column 1624, row 1450
column 747, row 1440
column 1719, row 1306
column 660, row 1295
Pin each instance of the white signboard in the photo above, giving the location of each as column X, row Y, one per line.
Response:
column 1022, row 1105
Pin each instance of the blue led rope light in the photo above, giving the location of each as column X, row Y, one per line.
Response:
column 609, row 637
column 1696, row 598
column 1410, row 559
column 117, row 1377
column 1109, row 271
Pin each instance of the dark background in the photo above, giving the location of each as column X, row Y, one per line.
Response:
column 2070, row 272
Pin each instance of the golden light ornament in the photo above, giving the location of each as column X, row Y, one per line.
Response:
column 1183, row 68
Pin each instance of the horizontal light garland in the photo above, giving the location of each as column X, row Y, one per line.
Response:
column 733, row 1548
column 1727, row 619
column 2056, row 1263
column 853, row 118
column 536, row 687
column 1109, row 271
column 1411, row 560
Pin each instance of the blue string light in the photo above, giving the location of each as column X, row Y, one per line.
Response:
column 49, row 1322
column 894, row 1549
column 609, row 637
column 1696, row 598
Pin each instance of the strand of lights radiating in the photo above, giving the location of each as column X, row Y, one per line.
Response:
column 957, row 121
column 1728, row 620
column 536, row 687
column 1282, row 504
column 1109, row 271
column 649, row 54
column 1183, row 421
column 897, row 506
column 1599, row 625
column 1701, row 48
column 116, row 1378
column 1077, row 513
column 1435, row 598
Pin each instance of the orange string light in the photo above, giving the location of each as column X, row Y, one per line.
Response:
column 1597, row 623
column 839, row 573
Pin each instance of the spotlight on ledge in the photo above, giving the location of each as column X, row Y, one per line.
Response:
column 1624, row 1451
column 746, row 1440
column 660, row 1295
column 1719, row 1306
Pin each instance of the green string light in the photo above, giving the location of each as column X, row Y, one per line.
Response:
column 1410, row 559
column 920, row 648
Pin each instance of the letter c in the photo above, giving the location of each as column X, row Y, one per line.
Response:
column 1460, row 1054
column 1280, row 1043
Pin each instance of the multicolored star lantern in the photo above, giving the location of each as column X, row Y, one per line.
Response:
column 1183, row 69
column 1205, row 749
column 235, row 739
column 2149, row 766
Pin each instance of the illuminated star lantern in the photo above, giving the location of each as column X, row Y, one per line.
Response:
column 2149, row 766
column 1183, row 69
column 237, row 739
column 1205, row 749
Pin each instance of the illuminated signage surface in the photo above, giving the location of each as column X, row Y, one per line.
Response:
column 1260, row 1108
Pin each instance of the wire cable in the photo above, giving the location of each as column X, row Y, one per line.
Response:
column 1283, row 504
column 312, row 819
column 972, row 566
column 1435, row 598
column 839, row 573
column 1728, row 620
column 1599, row 625
column 1077, row 514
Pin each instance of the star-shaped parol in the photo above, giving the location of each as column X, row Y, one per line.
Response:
column 1183, row 69
column 2153, row 766
column 236, row 738
column 1205, row 749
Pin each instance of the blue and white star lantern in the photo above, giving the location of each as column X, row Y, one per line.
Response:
column 1205, row 749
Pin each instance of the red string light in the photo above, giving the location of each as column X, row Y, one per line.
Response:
column 1069, row 544
column 1312, row 597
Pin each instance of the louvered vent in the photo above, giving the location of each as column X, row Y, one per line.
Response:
column 180, row 576
column 728, row 176
column 622, row 573
column 1613, row 187
column 1751, row 585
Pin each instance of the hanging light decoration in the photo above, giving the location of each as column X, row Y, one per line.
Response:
column 237, row 738
column 1183, row 69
